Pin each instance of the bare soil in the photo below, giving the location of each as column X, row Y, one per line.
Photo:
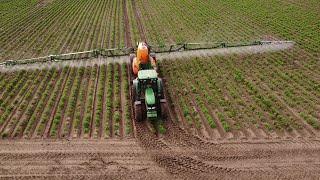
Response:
column 176, row 154
column 113, row 159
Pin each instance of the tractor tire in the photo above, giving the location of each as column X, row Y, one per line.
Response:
column 164, row 108
column 132, row 56
column 160, row 88
column 138, row 114
column 144, row 111
column 134, row 94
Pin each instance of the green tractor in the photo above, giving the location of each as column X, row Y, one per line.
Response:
column 148, row 96
column 147, row 87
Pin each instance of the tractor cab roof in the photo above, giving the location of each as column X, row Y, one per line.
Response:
column 147, row 74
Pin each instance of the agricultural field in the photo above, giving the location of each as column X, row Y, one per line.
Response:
column 57, row 26
column 249, row 115
column 71, row 102
column 248, row 96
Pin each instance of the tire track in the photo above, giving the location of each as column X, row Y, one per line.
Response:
column 71, row 159
column 175, row 163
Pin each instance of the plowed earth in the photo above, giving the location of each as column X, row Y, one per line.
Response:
column 175, row 155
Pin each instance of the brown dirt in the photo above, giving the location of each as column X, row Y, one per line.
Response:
column 113, row 159
column 188, row 156
column 177, row 155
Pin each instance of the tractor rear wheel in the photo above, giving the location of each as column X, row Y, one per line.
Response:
column 138, row 114
column 134, row 93
column 164, row 108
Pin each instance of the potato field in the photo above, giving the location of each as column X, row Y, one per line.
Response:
column 68, row 102
column 237, row 113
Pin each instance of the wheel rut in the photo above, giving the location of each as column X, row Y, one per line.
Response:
column 189, row 156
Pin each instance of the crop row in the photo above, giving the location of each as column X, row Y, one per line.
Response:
column 72, row 102
column 199, row 21
column 62, row 26
column 245, row 95
column 286, row 20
